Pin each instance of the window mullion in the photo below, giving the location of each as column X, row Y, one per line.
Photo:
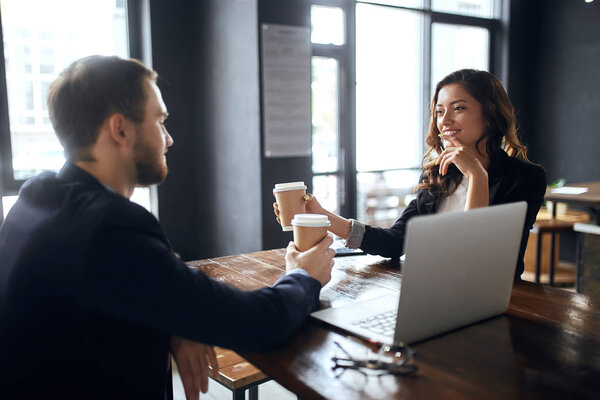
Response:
column 427, row 84
column 8, row 185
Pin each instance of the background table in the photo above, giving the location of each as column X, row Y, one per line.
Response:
column 589, row 200
column 547, row 345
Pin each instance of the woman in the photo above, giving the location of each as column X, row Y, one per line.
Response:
column 474, row 159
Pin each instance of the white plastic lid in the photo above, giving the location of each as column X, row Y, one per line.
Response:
column 283, row 187
column 312, row 220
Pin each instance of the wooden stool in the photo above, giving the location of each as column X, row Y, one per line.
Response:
column 551, row 226
column 237, row 374
column 539, row 261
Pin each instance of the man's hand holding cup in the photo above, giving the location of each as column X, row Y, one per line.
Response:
column 317, row 261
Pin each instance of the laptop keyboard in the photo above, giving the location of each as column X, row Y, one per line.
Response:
column 383, row 324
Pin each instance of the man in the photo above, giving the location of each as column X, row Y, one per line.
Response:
column 92, row 298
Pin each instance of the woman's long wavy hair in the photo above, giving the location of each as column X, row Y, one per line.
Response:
column 500, row 131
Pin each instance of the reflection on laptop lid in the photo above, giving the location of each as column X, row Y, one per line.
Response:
column 459, row 269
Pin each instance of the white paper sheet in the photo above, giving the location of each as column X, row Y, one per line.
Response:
column 286, row 56
column 569, row 190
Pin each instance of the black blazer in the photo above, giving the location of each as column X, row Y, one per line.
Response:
column 90, row 293
column 510, row 180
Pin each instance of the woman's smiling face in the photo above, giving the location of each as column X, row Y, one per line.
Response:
column 459, row 117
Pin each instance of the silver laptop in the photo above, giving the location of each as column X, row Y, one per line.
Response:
column 459, row 269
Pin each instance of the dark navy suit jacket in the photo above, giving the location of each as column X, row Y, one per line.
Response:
column 510, row 180
column 91, row 291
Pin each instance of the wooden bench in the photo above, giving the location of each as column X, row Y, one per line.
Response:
column 237, row 374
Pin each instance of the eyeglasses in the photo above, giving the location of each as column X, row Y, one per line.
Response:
column 394, row 360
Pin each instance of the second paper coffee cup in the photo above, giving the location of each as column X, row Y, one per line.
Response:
column 309, row 229
column 290, row 199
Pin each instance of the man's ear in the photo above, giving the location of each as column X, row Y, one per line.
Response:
column 120, row 129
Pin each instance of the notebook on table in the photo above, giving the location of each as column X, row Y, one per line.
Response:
column 459, row 269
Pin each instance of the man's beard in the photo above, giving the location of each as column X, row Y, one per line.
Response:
column 149, row 168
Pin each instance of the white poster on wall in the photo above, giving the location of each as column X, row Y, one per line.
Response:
column 286, row 90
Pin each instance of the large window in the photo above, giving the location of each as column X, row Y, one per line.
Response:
column 457, row 46
column 40, row 39
column 326, row 130
column 396, row 51
column 328, row 66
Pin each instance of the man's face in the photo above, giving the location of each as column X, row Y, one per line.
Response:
column 153, row 140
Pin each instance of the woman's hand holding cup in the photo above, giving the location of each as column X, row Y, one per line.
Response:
column 289, row 197
column 312, row 206
column 339, row 225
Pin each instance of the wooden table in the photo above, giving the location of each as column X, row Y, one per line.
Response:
column 546, row 346
column 589, row 200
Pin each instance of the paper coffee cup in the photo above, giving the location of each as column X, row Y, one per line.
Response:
column 309, row 229
column 290, row 199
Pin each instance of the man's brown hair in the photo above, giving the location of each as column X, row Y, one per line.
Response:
column 87, row 92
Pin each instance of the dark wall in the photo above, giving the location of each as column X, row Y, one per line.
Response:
column 229, row 126
column 289, row 169
column 523, row 69
column 554, row 81
column 218, row 197
column 207, row 55
column 173, row 48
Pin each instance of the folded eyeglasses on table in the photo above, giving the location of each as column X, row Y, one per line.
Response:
column 389, row 359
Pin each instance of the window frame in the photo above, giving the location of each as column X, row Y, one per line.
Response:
column 9, row 186
column 344, row 55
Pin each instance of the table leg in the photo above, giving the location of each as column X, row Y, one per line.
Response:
column 239, row 394
column 552, row 258
column 538, row 257
column 595, row 214
column 253, row 393
column 578, row 261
